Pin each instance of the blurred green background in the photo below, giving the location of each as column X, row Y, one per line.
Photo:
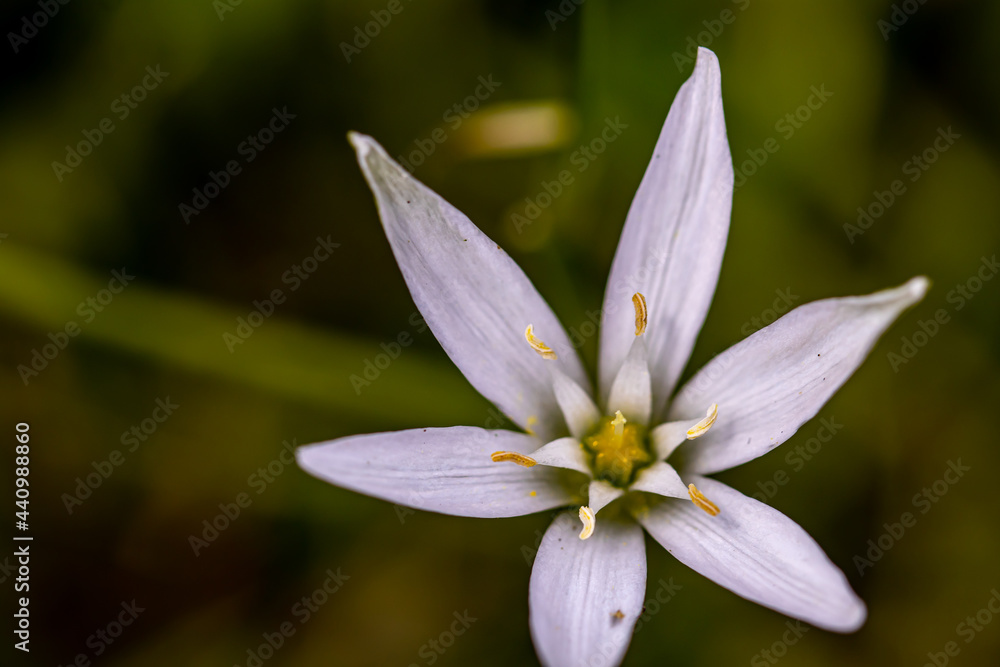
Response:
column 895, row 80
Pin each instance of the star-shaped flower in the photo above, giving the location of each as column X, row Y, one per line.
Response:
column 636, row 453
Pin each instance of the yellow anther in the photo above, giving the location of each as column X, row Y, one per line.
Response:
column 699, row 499
column 639, row 301
column 519, row 459
column 701, row 428
column 618, row 422
column 587, row 517
column 537, row 345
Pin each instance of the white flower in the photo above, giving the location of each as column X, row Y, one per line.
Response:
column 636, row 456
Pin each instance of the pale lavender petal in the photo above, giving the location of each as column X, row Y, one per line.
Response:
column 563, row 453
column 667, row 437
column 586, row 595
column 445, row 470
column 674, row 236
column 631, row 392
column 758, row 553
column 661, row 479
column 577, row 406
column 601, row 494
column 771, row 383
column 472, row 295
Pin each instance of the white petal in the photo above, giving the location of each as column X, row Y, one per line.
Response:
column 759, row 554
column 472, row 295
column 771, row 383
column 662, row 479
column 669, row 436
column 563, row 453
column 586, row 595
column 631, row 391
column 601, row 494
column 445, row 470
column 674, row 236
column 577, row 407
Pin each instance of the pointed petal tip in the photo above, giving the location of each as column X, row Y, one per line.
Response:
column 853, row 618
column 758, row 553
column 675, row 232
column 707, row 65
column 917, row 287
column 308, row 458
column 706, row 56
column 361, row 142
column 472, row 295
column 366, row 147
column 904, row 296
column 854, row 621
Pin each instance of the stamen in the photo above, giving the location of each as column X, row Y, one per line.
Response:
column 701, row 428
column 587, row 517
column 639, row 301
column 519, row 459
column 699, row 499
column 618, row 422
column 537, row 345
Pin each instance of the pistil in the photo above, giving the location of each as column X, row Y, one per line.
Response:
column 619, row 450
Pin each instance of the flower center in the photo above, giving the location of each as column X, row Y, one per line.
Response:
column 618, row 450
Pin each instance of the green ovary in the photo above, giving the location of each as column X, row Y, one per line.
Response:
column 616, row 458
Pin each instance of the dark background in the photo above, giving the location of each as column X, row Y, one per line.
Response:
column 162, row 336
